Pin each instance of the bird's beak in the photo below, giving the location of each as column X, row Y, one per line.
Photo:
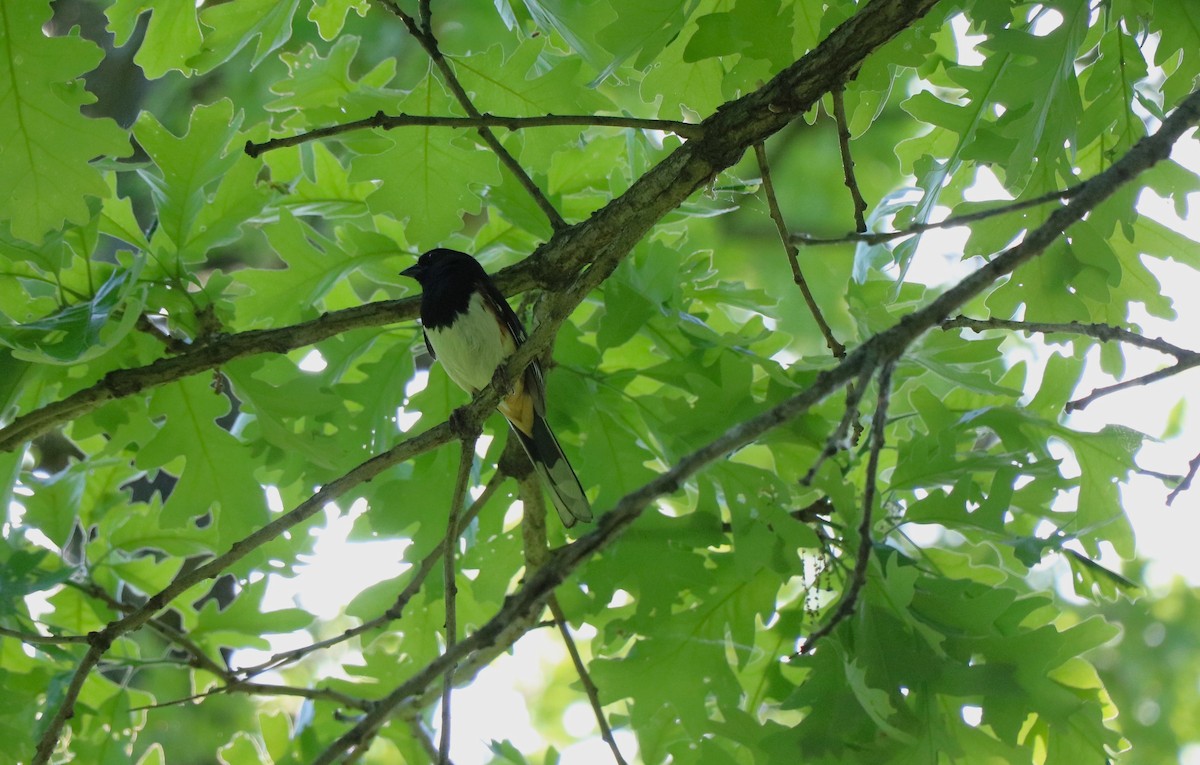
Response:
column 412, row 272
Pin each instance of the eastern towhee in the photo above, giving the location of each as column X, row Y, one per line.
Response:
column 470, row 328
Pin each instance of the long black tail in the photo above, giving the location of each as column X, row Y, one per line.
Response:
column 547, row 456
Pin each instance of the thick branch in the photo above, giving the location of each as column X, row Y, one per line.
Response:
column 128, row 382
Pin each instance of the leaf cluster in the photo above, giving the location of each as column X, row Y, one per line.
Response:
column 204, row 339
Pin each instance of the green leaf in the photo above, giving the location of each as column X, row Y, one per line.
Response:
column 234, row 25
column 1039, row 91
column 314, row 266
column 427, row 182
column 642, row 27
column 46, row 144
column 82, row 331
column 754, row 28
column 316, row 85
column 695, row 88
column 53, row 507
column 215, row 473
column 1105, row 459
column 1091, row 579
column 187, row 167
column 172, row 34
column 875, row 703
column 529, row 81
column 330, row 15
column 1179, row 22
column 245, row 617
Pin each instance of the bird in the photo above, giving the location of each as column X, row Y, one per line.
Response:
column 470, row 329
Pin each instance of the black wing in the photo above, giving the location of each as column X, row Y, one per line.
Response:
column 535, row 383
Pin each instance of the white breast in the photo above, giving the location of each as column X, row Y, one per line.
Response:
column 471, row 350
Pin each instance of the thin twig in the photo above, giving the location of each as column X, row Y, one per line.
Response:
column 880, row 237
column 417, row 729
column 198, row 659
column 384, row 121
column 1185, row 359
column 33, row 638
column 1186, row 483
column 1102, row 332
column 266, row 689
column 396, row 610
column 858, row 576
column 1146, row 379
column 537, row 550
column 589, row 687
column 843, row 131
column 422, row 32
column 760, row 152
column 837, row 438
column 449, row 576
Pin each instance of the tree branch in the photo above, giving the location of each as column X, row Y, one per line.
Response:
column 837, row 439
column 589, row 687
column 601, row 241
column 884, row 347
column 1153, row 377
column 396, row 610
column 533, row 535
column 1185, row 359
column 1103, row 332
column 99, row 642
column 843, row 131
column 33, row 638
column 879, row 237
column 1186, row 483
column 760, row 152
column 266, row 689
column 423, row 33
column 858, row 576
column 449, row 571
column 740, row 124
column 383, row 121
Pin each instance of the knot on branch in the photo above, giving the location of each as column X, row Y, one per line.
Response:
column 101, row 640
column 466, row 423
